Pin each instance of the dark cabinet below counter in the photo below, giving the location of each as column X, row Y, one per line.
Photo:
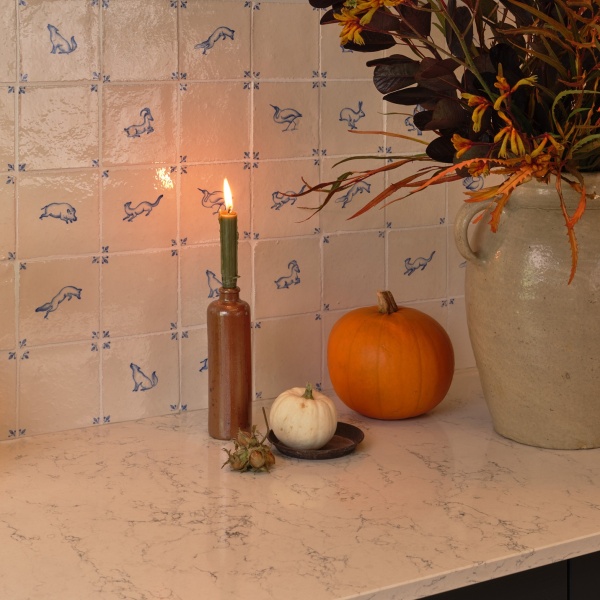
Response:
column 573, row 579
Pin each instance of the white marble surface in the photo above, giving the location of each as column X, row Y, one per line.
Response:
column 143, row 511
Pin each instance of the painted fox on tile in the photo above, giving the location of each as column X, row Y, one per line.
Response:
column 65, row 293
column 220, row 33
column 142, row 208
column 418, row 263
column 141, row 381
column 60, row 45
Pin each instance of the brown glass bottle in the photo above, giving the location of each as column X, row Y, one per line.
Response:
column 229, row 365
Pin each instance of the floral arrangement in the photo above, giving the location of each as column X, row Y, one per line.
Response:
column 508, row 87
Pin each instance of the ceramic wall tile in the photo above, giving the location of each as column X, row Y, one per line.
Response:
column 215, row 121
column 67, row 377
column 58, row 127
column 8, row 240
column 347, row 108
column 194, row 370
column 58, row 41
column 202, row 197
column 140, row 377
column 288, row 28
column 7, row 128
column 353, row 269
column 8, row 42
column 58, row 214
column 58, row 300
column 8, row 405
column 276, row 214
column 417, row 263
column 400, row 119
column 457, row 266
column 139, row 124
column 340, row 63
column 139, row 209
column 7, row 302
column 139, row 39
column 281, row 344
column 286, row 119
column 214, row 40
column 201, row 280
column 287, row 276
column 139, row 293
column 459, row 334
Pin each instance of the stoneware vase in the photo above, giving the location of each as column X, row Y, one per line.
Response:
column 536, row 338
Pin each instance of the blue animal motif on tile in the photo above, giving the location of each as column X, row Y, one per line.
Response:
column 281, row 198
column 352, row 116
column 293, row 278
column 288, row 116
column 141, row 381
column 66, row 293
column 410, row 122
column 220, row 33
column 137, row 130
column 213, row 200
column 417, row 263
column 357, row 188
column 473, row 183
column 143, row 208
column 60, row 45
column 213, row 284
column 203, row 365
column 62, row 211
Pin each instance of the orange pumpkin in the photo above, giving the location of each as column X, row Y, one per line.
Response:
column 387, row 362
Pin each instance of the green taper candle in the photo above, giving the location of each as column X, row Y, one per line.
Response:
column 229, row 240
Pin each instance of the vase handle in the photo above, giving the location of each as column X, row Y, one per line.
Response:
column 461, row 229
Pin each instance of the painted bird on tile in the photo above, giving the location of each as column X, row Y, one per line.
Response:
column 286, row 115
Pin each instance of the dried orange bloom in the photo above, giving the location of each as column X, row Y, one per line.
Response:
column 371, row 7
column 503, row 86
column 481, row 105
column 352, row 27
column 510, row 135
column 461, row 144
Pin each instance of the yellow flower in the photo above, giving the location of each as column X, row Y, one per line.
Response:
column 461, row 144
column 504, row 87
column 481, row 105
column 371, row 6
column 510, row 135
column 352, row 27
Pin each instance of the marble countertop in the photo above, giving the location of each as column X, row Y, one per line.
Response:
column 143, row 511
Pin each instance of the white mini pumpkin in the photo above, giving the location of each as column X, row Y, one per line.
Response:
column 303, row 418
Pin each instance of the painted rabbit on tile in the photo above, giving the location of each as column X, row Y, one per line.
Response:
column 351, row 116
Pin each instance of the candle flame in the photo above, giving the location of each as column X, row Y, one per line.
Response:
column 227, row 194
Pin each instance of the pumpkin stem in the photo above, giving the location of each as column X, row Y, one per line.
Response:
column 386, row 302
column 308, row 392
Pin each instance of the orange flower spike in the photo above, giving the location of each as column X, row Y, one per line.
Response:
column 461, row 144
column 371, row 7
column 481, row 105
column 351, row 25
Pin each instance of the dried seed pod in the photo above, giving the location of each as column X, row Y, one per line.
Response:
column 249, row 453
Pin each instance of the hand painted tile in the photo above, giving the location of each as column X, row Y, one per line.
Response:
column 58, row 40
column 58, row 300
column 8, row 406
column 215, row 121
column 8, row 42
column 202, row 197
column 58, row 127
column 459, row 333
column 276, row 214
column 353, row 269
column 201, row 280
column 139, row 209
column 139, row 39
column 59, row 388
column 456, row 268
column 214, row 40
column 291, row 347
column 287, row 28
column 139, row 293
column 7, row 221
column 287, row 276
column 58, row 214
column 7, row 129
column 139, row 124
column 400, row 120
column 347, row 107
column 417, row 263
column 286, row 120
column 140, row 377
column 194, row 370
column 7, row 302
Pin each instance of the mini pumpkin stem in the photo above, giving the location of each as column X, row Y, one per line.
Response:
column 308, row 392
column 386, row 302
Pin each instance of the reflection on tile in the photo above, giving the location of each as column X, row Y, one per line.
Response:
column 7, row 302
column 140, row 377
column 8, row 406
column 67, row 378
column 194, row 370
column 7, row 221
column 459, row 334
column 8, row 42
column 7, row 129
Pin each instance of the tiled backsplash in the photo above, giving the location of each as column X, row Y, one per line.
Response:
column 119, row 120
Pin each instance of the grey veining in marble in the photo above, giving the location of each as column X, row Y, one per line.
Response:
column 143, row 511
